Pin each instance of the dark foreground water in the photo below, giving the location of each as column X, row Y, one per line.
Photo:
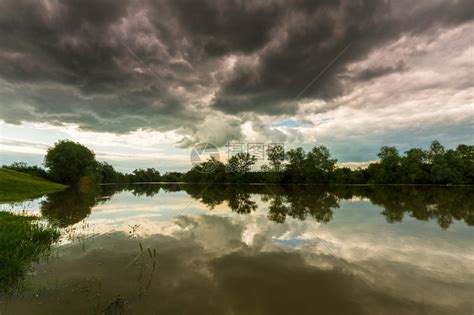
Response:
column 191, row 249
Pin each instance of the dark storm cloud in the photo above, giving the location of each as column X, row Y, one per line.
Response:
column 309, row 40
column 68, row 38
column 119, row 65
column 221, row 27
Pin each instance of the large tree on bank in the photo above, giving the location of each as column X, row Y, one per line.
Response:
column 68, row 161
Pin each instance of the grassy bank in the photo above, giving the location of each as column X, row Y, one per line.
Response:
column 16, row 186
column 22, row 241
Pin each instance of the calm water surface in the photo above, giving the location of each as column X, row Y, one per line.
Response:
column 192, row 249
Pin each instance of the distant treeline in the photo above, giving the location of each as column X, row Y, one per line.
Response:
column 67, row 162
column 436, row 166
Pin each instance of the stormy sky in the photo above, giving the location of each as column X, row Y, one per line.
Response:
column 141, row 82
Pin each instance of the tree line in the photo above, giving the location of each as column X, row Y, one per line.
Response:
column 436, row 165
column 69, row 162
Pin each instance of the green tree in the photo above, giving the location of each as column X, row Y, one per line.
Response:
column 211, row 170
column 458, row 165
column 294, row 166
column 436, row 150
column 465, row 155
column 68, row 161
column 241, row 162
column 388, row 170
column 276, row 156
column 107, row 173
column 440, row 169
column 295, row 158
column 172, row 177
column 414, row 167
column 148, row 175
column 341, row 175
column 319, row 165
column 320, row 158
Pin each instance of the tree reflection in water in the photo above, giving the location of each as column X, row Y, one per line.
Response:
column 444, row 204
column 148, row 190
column 67, row 207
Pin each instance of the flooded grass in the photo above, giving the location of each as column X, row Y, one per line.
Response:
column 22, row 241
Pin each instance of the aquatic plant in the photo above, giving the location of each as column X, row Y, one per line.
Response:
column 23, row 239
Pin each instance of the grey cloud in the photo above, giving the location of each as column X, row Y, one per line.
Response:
column 119, row 113
column 372, row 73
column 185, row 142
column 273, row 135
column 122, row 65
column 311, row 39
column 41, row 146
column 221, row 27
column 67, row 62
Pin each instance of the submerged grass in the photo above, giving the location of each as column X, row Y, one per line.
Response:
column 17, row 186
column 22, row 241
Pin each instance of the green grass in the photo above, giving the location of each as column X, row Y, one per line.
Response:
column 22, row 241
column 16, row 186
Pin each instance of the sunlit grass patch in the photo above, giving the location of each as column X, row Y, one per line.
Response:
column 17, row 186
